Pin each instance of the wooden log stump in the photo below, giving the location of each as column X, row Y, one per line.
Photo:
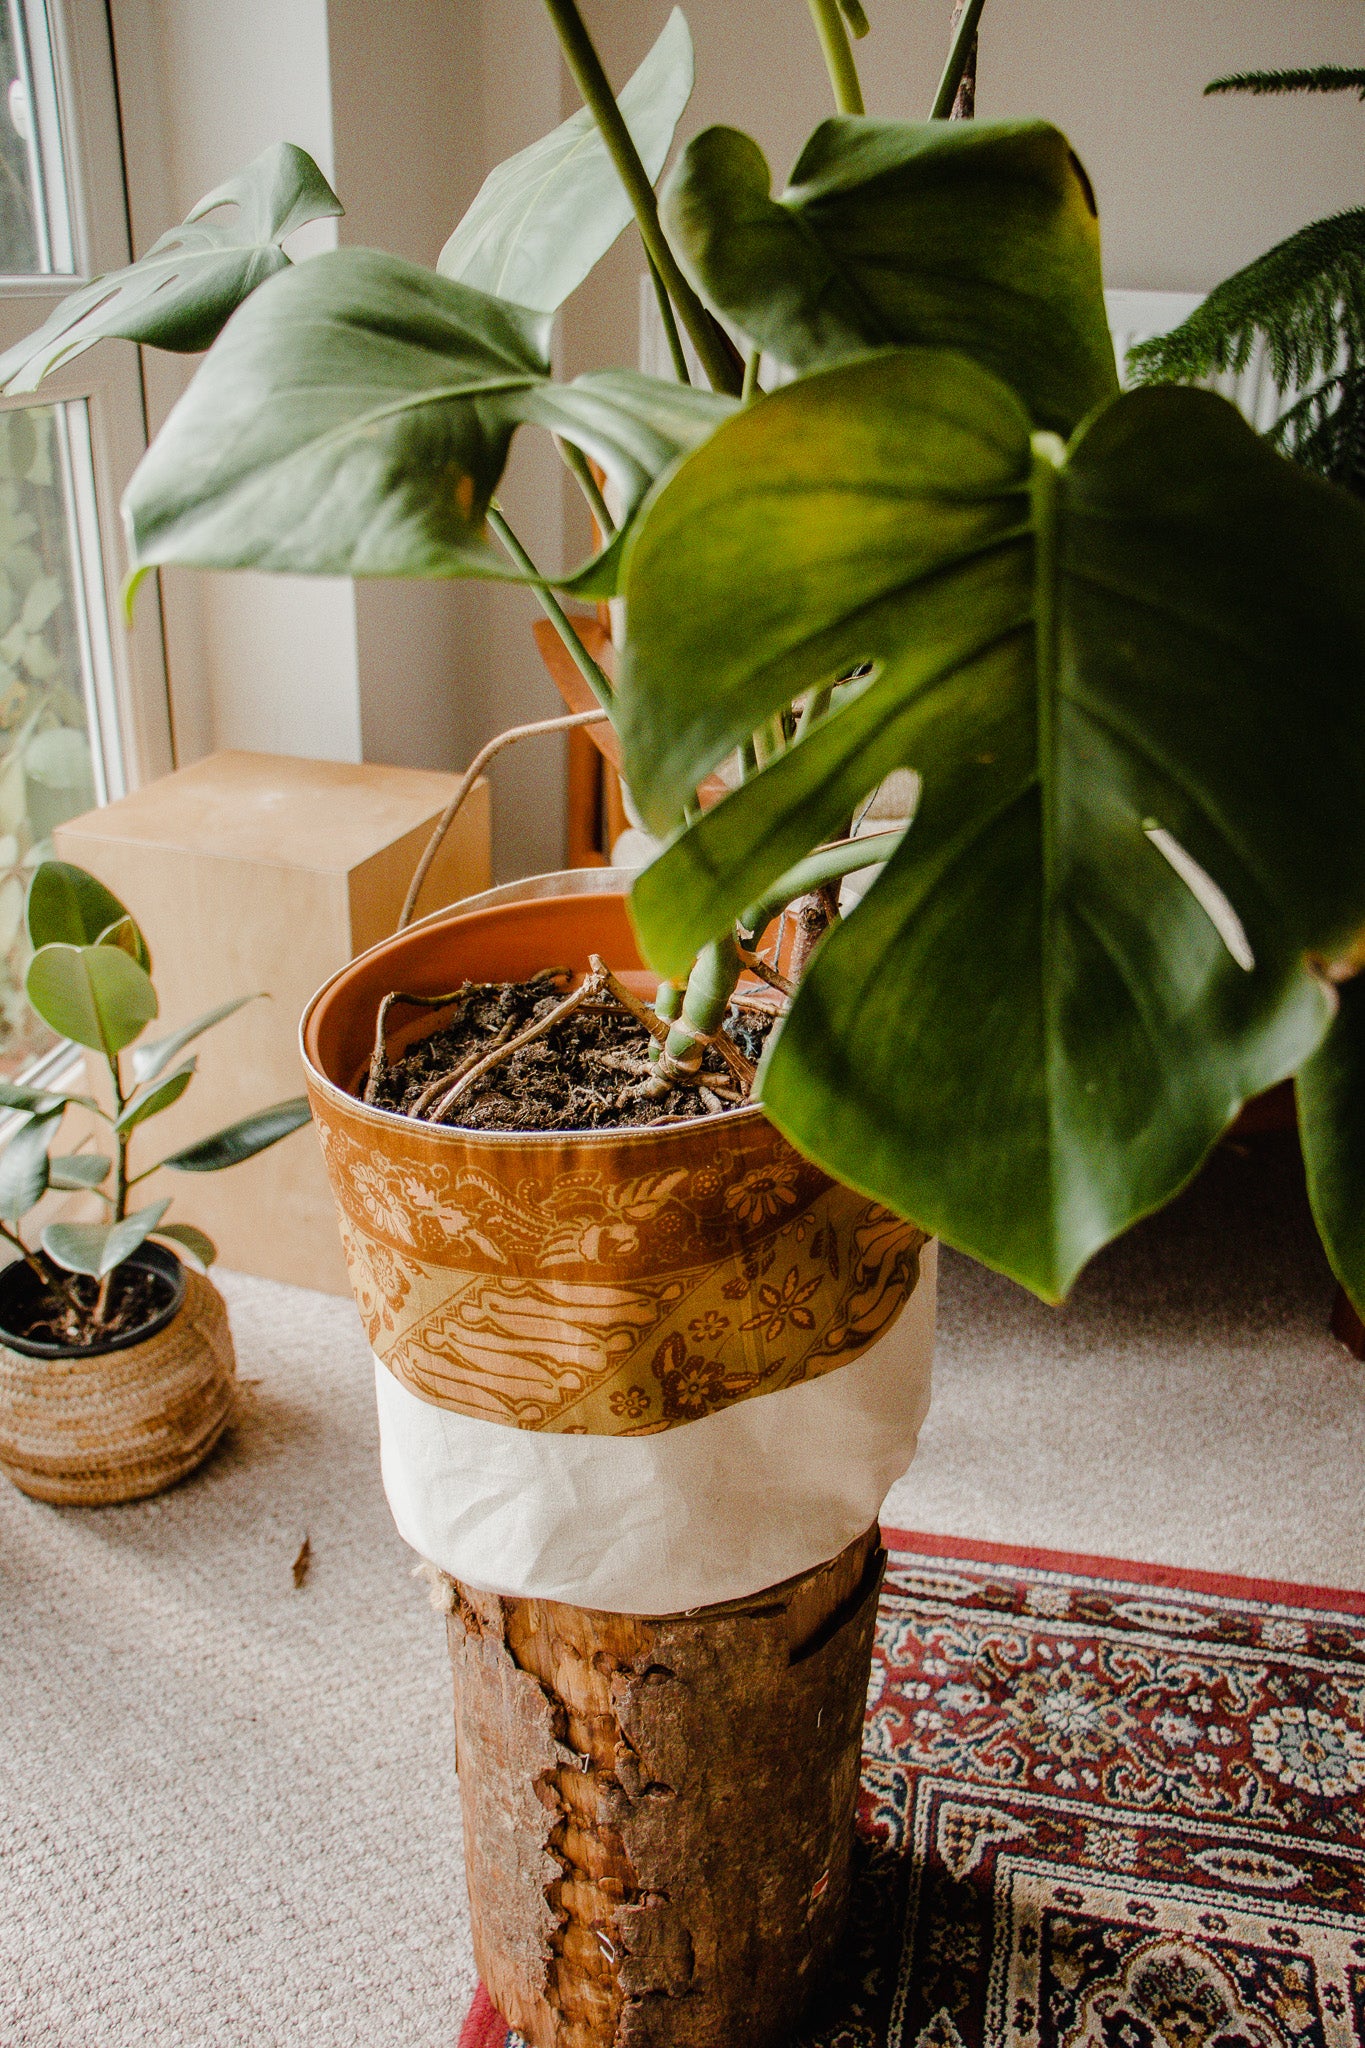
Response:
column 658, row 1812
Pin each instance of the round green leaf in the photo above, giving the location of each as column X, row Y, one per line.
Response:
column 72, row 1171
column 197, row 1242
column 243, row 1140
column 127, row 936
column 94, row 994
column 153, row 1099
column 96, row 1248
column 24, row 1167
column 66, row 906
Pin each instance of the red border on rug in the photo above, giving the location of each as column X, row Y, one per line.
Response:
column 484, row 2026
column 1273, row 1592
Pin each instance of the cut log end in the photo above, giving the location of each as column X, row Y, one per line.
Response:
column 658, row 1812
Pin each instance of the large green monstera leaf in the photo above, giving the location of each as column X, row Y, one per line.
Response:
column 973, row 235
column 1129, row 675
column 354, row 419
column 180, row 293
column 1331, row 1092
column 543, row 219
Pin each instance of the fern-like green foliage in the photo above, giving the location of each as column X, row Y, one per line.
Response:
column 1321, row 78
column 1305, row 299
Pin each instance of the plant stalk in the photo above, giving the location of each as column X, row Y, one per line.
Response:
column 713, row 980
column 959, row 57
column 577, row 463
column 49, row 1282
column 818, row 870
column 591, row 80
column 670, row 320
column 838, row 55
column 121, row 1182
column 593, row 676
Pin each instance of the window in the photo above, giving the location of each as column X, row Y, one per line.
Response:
column 83, row 708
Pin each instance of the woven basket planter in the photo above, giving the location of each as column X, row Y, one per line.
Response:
column 108, row 1426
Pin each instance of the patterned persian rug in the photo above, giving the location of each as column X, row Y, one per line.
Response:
column 1104, row 1806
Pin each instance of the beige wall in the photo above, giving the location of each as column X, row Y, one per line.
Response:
column 408, row 102
column 394, row 104
column 253, row 661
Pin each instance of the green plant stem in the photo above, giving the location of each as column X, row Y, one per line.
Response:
column 813, row 710
column 838, row 55
column 121, row 1183
column 959, row 57
column 591, row 80
column 50, row 1282
column 581, row 469
column 769, row 740
column 713, row 980
column 668, row 1001
column 827, row 864
column 592, row 675
column 669, row 318
column 752, row 388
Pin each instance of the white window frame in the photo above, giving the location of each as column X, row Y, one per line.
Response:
column 107, row 434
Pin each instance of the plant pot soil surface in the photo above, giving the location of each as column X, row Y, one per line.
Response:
column 591, row 1071
column 138, row 1294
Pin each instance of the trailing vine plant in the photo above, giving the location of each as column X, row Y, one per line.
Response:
column 1116, row 637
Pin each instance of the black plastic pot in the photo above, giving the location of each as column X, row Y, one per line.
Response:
column 19, row 1293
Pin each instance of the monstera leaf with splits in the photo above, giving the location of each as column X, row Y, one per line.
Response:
column 1127, row 670
column 979, row 236
column 179, row 295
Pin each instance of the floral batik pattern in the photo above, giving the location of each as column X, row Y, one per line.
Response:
column 575, row 1293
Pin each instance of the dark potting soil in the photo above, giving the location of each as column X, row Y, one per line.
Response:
column 136, row 1295
column 588, row 1073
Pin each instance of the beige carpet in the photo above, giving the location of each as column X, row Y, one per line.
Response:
column 228, row 1809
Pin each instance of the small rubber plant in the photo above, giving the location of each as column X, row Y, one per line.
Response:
column 913, row 524
column 90, row 980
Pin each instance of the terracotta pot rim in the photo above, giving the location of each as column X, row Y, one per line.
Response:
column 440, row 1134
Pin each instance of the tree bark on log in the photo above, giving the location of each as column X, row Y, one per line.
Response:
column 658, row 1812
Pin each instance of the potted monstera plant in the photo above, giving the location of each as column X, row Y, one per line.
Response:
column 638, row 1189
column 116, row 1361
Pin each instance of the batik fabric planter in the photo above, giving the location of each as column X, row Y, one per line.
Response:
column 639, row 1370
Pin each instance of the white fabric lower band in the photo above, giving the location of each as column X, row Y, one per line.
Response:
column 713, row 1510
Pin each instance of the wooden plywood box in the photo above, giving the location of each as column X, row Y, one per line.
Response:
column 263, row 872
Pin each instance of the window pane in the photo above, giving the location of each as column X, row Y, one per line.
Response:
column 35, row 222
column 47, row 769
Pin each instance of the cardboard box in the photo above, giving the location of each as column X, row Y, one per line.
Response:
column 264, row 872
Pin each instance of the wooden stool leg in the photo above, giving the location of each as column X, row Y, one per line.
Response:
column 658, row 1813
